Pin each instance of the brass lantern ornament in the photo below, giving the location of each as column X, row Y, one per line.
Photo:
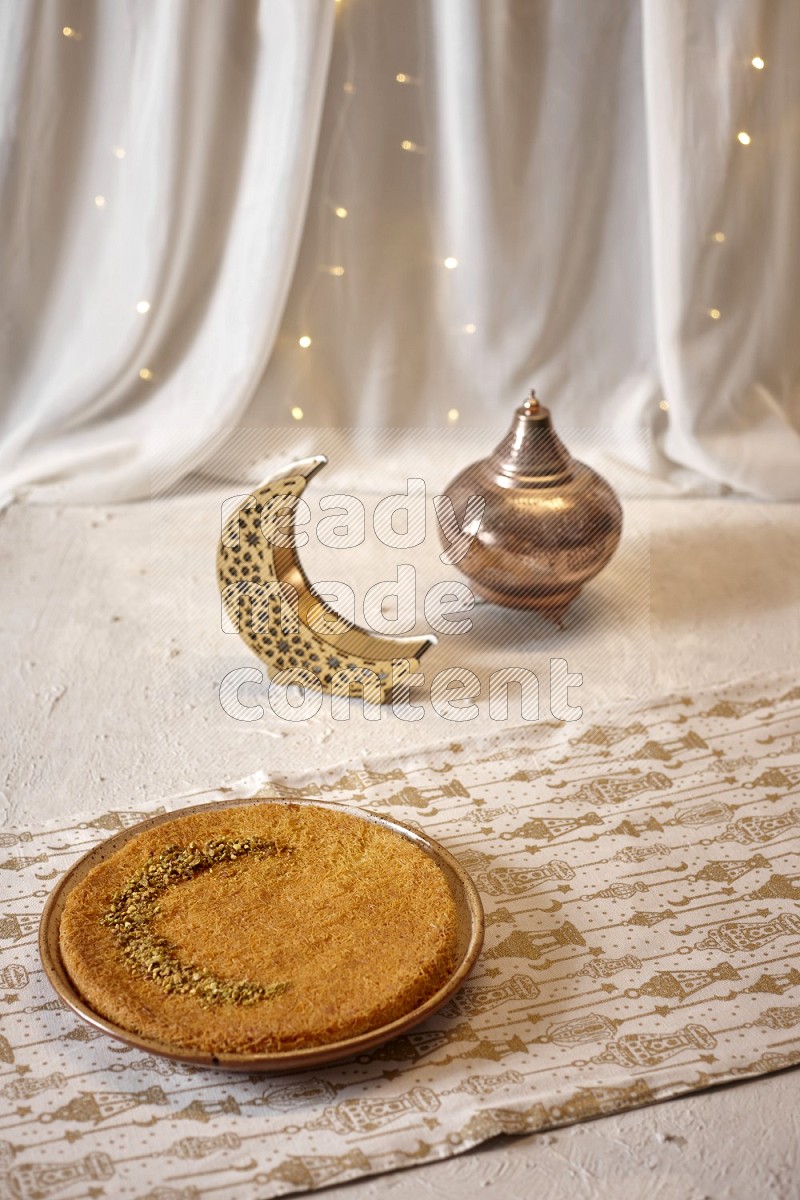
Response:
column 550, row 523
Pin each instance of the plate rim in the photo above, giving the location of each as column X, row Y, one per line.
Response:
column 276, row 1061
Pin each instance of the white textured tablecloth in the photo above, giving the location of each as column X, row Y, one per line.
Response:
column 109, row 703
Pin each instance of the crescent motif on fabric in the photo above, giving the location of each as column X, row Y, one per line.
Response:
column 277, row 613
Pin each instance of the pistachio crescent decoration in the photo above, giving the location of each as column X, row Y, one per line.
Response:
column 132, row 911
column 277, row 612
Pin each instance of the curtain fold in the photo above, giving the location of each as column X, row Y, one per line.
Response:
column 398, row 212
column 168, row 167
column 725, row 236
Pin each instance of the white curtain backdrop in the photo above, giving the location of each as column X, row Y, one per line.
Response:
column 451, row 199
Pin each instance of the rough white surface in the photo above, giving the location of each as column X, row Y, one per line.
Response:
column 113, row 654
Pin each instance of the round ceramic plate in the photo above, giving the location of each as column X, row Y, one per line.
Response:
column 469, row 915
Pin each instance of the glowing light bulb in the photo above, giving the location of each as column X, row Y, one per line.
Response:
column 451, row 263
column 744, row 138
column 338, row 271
column 349, row 88
column 145, row 374
column 719, row 236
column 469, row 328
column 118, row 152
column 143, row 307
column 340, row 211
column 100, row 201
column 401, row 78
column 453, row 415
column 297, row 413
column 714, row 313
column 758, row 62
column 69, row 32
column 407, row 145
column 304, row 341
column 664, row 405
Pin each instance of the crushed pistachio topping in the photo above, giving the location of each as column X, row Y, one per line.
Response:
column 133, row 910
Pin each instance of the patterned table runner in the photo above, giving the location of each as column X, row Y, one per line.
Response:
column 641, row 879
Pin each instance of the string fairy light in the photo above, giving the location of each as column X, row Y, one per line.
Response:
column 412, row 80
column 744, row 139
column 340, row 211
column 451, row 263
column 412, row 147
column 118, row 152
column 470, row 328
column 69, row 32
column 664, row 405
column 337, row 271
column 297, row 413
column 349, row 88
column 304, row 341
column 146, row 374
column 100, row 201
column 453, row 415
column 143, row 307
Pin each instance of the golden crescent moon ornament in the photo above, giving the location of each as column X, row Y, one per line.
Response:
column 277, row 613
